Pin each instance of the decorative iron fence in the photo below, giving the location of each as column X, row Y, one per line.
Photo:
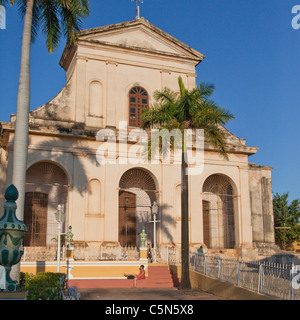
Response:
column 278, row 280
column 263, row 277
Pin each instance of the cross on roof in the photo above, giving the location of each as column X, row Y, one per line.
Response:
column 138, row 8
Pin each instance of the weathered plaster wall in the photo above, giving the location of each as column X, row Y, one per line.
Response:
column 262, row 218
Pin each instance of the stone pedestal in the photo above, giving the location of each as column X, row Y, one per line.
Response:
column 70, row 253
column 143, row 255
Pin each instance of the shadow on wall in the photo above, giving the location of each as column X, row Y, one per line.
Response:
column 53, row 151
column 283, row 258
column 58, row 155
column 167, row 222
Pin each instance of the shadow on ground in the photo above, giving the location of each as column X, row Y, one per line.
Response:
column 145, row 294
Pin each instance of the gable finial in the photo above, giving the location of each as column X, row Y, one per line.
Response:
column 137, row 8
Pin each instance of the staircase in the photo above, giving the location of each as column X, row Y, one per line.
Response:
column 159, row 276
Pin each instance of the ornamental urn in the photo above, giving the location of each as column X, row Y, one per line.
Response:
column 12, row 232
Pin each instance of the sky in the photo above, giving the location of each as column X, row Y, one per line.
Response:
column 252, row 56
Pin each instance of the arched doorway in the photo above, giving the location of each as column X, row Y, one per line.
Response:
column 46, row 188
column 218, row 212
column 137, row 192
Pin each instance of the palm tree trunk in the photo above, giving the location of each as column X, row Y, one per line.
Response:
column 22, row 122
column 22, row 116
column 185, row 275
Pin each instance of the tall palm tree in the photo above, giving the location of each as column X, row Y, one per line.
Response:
column 56, row 18
column 192, row 109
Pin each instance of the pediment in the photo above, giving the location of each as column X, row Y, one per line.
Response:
column 140, row 34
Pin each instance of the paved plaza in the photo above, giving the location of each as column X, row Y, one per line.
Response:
column 145, row 294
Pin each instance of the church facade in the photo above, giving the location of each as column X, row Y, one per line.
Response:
column 111, row 75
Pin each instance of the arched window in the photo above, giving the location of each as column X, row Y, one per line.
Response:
column 138, row 101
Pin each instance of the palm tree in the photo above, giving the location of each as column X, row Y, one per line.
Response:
column 188, row 110
column 57, row 18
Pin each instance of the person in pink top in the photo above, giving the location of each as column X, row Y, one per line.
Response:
column 139, row 276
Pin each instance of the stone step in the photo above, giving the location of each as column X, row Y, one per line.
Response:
column 152, row 284
column 158, row 274
column 101, row 283
column 158, row 270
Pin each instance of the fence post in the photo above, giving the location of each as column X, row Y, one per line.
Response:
column 193, row 258
column 205, row 265
column 220, row 267
column 239, row 273
column 261, row 278
column 291, row 275
column 167, row 255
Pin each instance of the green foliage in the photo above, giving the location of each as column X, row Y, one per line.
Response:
column 56, row 18
column 188, row 109
column 43, row 286
column 286, row 220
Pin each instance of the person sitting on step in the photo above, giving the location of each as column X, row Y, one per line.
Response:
column 136, row 277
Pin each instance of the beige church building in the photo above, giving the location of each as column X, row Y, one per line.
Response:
column 111, row 75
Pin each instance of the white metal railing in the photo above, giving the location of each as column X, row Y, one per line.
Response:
column 106, row 253
column 40, row 254
column 278, row 280
column 82, row 253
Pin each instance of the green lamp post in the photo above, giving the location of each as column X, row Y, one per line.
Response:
column 12, row 232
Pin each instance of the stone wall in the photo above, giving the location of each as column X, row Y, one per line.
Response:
column 262, row 218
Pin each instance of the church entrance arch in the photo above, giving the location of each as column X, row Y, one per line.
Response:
column 137, row 192
column 218, row 212
column 46, row 188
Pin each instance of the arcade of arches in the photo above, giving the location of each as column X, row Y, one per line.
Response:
column 47, row 186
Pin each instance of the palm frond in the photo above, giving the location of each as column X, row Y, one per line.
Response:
column 216, row 137
column 181, row 86
column 49, row 15
column 7, row 2
column 165, row 96
column 157, row 115
column 206, row 89
column 72, row 14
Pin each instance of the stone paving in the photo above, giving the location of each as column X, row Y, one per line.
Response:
column 145, row 294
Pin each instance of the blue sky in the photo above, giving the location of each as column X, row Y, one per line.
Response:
column 252, row 56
